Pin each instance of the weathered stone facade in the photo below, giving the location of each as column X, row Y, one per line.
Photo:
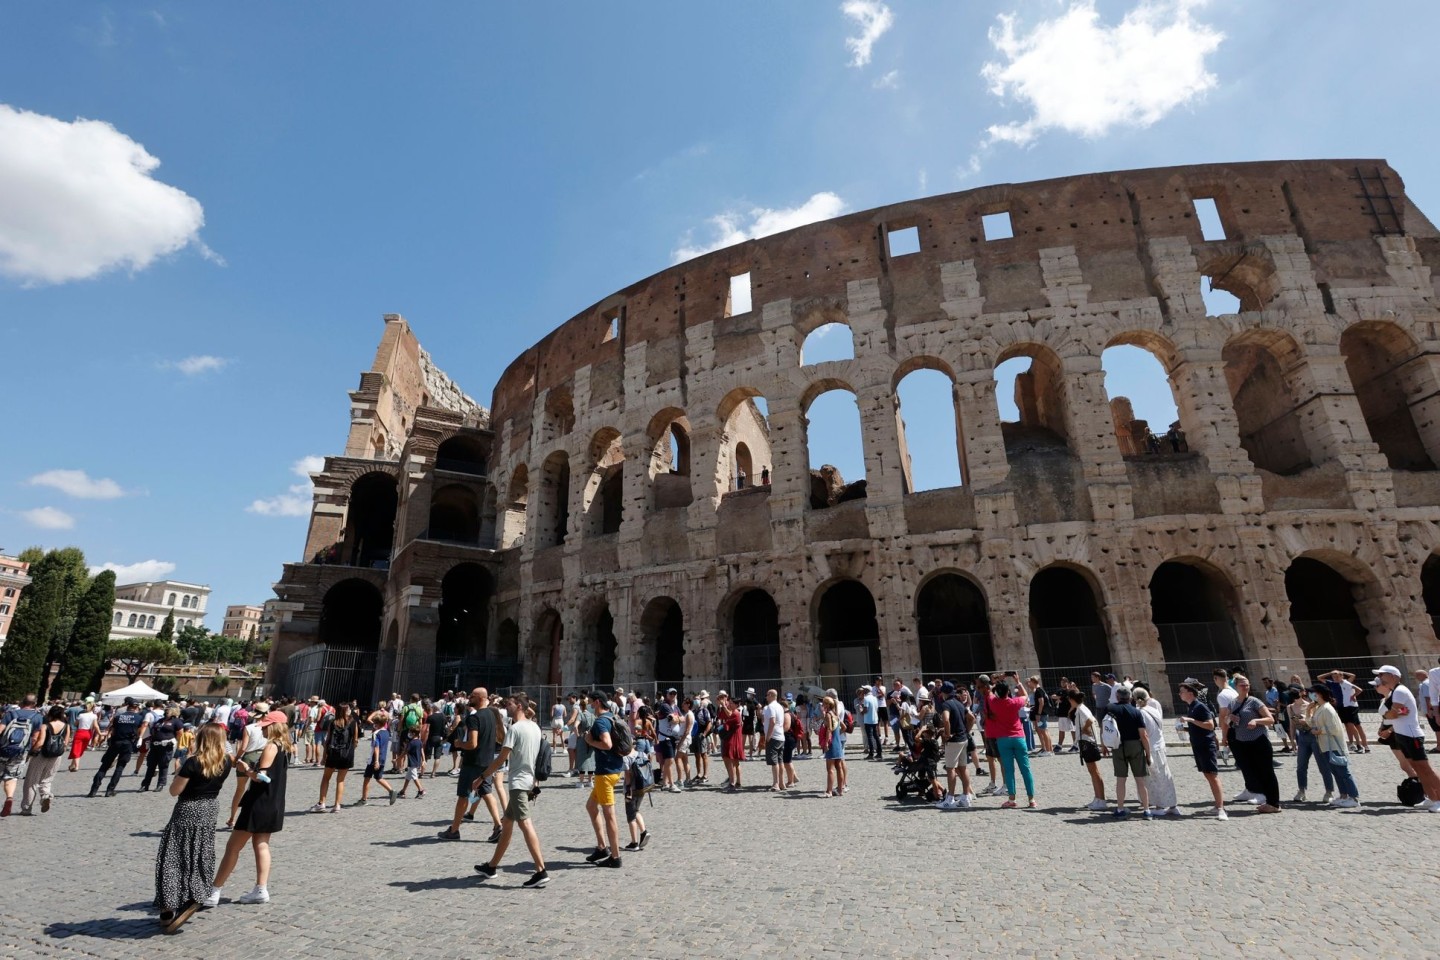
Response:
column 627, row 550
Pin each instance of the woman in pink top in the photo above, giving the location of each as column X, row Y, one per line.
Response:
column 1003, row 708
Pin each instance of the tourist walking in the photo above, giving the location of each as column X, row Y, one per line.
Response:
column 85, row 730
column 18, row 727
column 523, row 742
column 375, row 768
column 46, row 748
column 262, row 811
column 609, row 765
column 126, row 730
column 185, row 862
column 1003, row 709
column 1200, row 724
column 1250, row 721
column 1329, row 731
column 1162, row 782
column 342, row 733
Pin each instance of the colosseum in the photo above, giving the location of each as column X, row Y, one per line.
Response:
column 638, row 505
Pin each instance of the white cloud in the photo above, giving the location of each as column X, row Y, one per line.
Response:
column 732, row 228
column 1079, row 75
column 138, row 572
column 80, row 200
column 78, row 483
column 890, row 81
column 194, row 366
column 873, row 18
column 48, row 518
column 296, row 501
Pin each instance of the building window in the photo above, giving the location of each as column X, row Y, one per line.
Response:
column 150, row 624
column 172, row 599
column 132, row 620
column 9, row 591
column 117, row 619
column 4, row 609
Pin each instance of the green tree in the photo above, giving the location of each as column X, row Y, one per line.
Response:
column 134, row 655
column 167, row 629
column 22, row 659
column 74, row 582
column 84, row 665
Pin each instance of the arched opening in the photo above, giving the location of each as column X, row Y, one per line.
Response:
column 1193, row 608
column 836, row 446
column 829, row 341
column 1030, row 397
column 1066, row 624
column 953, row 628
column 462, row 454
column 848, row 636
column 605, row 488
column 1260, row 373
column 517, row 499
column 600, row 648
column 553, row 509
column 755, row 640
column 925, row 404
column 465, row 594
column 1380, row 360
column 1142, row 401
column 350, row 616
column 1430, row 590
column 559, row 416
column 669, row 468
column 454, row 515
column 1323, row 615
column 662, row 636
column 370, row 520
column 507, row 640
column 542, row 656
column 745, row 442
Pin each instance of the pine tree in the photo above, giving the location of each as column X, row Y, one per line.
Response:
column 84, row 664
column 167, row 629
column 23, row 656
column 74, row 582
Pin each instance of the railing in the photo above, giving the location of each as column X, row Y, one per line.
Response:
column 471, row 467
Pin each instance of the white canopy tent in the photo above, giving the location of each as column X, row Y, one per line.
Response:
column 140, row 690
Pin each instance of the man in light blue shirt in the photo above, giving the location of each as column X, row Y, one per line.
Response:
column 871, row 717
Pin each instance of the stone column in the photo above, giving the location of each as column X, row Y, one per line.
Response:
column 982, row 445
column 1211, row 429
column 1092, row 433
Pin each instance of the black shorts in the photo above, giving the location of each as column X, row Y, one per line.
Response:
column 992, row 748
column 339, row 761
column 1089, row 752
column 1349, row 714
column 1411, row 748
column 374, row 772
column 1433, row 725
column 1207, row 758
column 665, row 747
column 434, row 749
column 467, row 777
column 773, row 751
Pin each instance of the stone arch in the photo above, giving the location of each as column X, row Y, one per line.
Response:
column 1380, row 359
column 847, row 634
column 744, row 421
column 604, row 494
column 1038, row 395
column 350, row 615
column 517, row 500
column 1261, row 370
column 1067, row 620
column 1196, row 612
column 669, row 466
column 599, row 647
column 825, row 411
column 935, row 410
column 750, row 618
column 552, row 507
column 1132, row 431
column 463, row 453
column 952, row 624
column 557, row 416
column 1326, row 590
column 454, row 514
column 1246, row 272
column 370, row 520
column 662, row 642
column 465, row 594
column 542, row 655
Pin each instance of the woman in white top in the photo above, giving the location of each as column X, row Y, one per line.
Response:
column 86, row 725
column 1162, row 784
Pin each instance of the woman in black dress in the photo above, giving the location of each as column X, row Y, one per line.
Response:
column 262, row 810
column 340, row 742
column 185, row 864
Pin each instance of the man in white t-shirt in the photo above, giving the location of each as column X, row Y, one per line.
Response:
column 221, row 713
column 1425, row 695
column 773, row 722
column 1225, row 697
column 1433, row 710
column 1407, row 737
column 523, row 742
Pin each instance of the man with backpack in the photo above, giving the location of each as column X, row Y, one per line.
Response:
column 523, row 748
column 611, row 740
column 127, row 729
column 17, row 729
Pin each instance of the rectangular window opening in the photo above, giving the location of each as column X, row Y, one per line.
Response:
column 739, row 299
column 1211, row 228
column 904, row 241
column 997, row 226
column 612, row 324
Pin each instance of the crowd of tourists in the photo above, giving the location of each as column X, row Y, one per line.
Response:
column 942, row 738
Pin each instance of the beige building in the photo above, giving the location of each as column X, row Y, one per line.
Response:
column 14, row 579
column 591, row 527
column 141, row 608
column 242, row 622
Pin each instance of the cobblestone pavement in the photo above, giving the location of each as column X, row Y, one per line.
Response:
column 746, row 875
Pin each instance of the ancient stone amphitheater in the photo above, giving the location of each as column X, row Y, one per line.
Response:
column 639, row 506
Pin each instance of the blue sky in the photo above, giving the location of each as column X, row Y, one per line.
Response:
column 489, row 170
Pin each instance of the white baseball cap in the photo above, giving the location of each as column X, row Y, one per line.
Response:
column 1391, row 670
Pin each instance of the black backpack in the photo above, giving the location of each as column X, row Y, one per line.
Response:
column 542, row 761
column 54, row 744
column 621, row 740
column 1410, row 792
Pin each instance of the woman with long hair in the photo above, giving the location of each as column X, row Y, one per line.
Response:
column 340, row 740
column 262, row 810
column 185, row 863
column 832, row 745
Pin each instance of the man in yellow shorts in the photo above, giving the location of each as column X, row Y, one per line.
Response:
column 608, row 769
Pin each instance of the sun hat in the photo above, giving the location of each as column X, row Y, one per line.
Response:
column 274, row 716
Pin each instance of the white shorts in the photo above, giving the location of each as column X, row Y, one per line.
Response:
column 1067, row 725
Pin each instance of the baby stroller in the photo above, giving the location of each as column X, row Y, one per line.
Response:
column 917, row 771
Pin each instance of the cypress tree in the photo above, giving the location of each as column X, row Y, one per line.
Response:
column 23, row 656
column 167, row 629
column 84, row 665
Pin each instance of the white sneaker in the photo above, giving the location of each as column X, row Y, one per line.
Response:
column 319, row 808
column 258, row 895
column 1220, row 814
column 1299, row 797
column 212, row 899
column 1097, row 804
column 1329, row 795
column 1434, row 807
column 963, row 803
column 1175, row 812
column 948, row 803
column 1345, row 803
